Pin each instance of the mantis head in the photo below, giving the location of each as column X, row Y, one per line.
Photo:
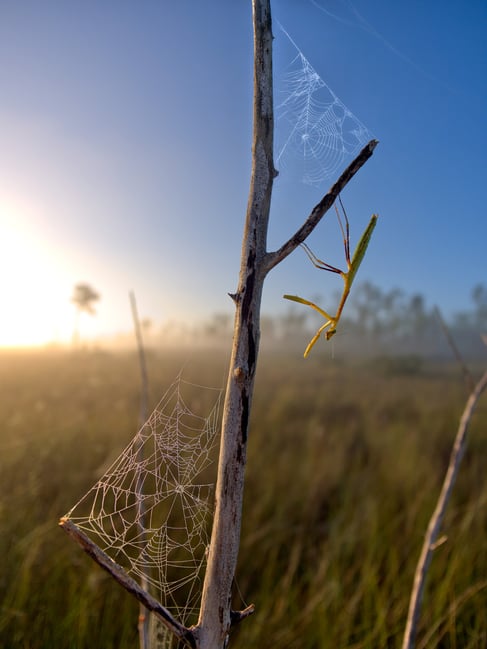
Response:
column 330, row 333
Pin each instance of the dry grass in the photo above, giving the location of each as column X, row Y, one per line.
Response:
column 345, row 464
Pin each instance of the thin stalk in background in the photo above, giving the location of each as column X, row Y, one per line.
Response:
column 436, row 520
column 143, row 625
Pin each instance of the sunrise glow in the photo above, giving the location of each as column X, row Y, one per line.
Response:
column 35, row 295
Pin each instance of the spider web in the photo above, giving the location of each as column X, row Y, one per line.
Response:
column 150, row 511
column 313, row 126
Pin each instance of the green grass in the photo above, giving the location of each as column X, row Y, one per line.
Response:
column 344, row 467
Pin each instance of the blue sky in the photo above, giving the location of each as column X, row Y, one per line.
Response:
column 125, row 131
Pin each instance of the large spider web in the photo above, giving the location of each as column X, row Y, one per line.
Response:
column 150, row 511
column 316, row 134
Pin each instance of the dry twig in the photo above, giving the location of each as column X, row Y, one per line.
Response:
column 436, row 520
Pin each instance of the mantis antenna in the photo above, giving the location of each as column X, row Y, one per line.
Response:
column 331, row 321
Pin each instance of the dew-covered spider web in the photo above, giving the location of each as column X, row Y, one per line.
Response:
column 151, row 511
column 316, row 134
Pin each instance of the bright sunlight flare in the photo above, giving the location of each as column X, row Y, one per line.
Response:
column 35, row 292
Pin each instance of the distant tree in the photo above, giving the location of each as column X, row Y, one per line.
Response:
column 367, row 303
column 416, row 313
column 146, row 324
column 393, row 311
column 83, row 298
column 293, row 324
column 479, row 297
column 268, row 327
column 219, row 327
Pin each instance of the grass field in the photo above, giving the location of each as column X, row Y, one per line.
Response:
column 345, row 463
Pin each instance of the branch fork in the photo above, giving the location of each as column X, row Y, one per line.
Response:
column 216, row 617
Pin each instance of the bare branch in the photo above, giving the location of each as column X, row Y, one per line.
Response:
column 237, row 616
column 437, row 517
column 317, row 213
column 119, row 574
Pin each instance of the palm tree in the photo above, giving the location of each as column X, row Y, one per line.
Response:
column 83, row 297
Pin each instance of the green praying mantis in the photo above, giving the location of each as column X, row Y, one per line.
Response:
column 331, row 321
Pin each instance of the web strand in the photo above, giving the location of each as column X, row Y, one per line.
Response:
column 316, row 133
column 151, row 510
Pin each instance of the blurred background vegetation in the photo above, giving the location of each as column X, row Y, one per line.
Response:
column 346, row 459
column 375, row 322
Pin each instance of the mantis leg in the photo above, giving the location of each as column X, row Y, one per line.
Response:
column 301, row 300
column 330, row 321
column 319, row 263
column 316, row 336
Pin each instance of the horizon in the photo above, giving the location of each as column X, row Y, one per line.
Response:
column 394, row 329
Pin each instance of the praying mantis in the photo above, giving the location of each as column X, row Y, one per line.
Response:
column 352, row 265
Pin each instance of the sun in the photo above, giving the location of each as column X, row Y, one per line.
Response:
column 34, row 291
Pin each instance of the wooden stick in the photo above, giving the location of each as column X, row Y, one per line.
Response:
column 438, row 514
column 215, row 615
column 119, row 574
